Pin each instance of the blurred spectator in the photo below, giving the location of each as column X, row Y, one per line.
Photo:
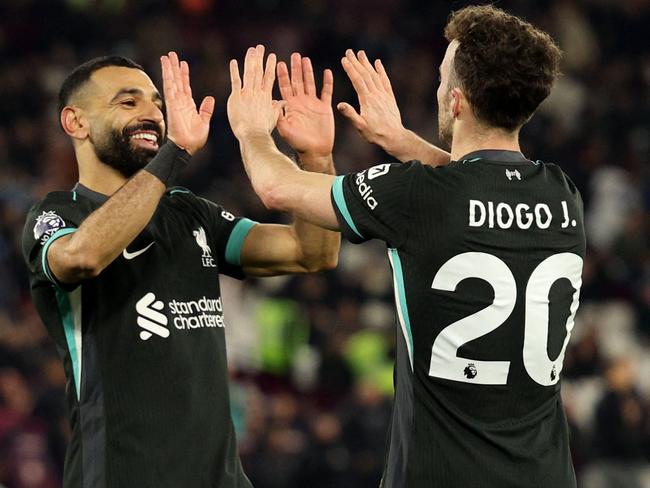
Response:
column 621, row 437
column 25, row 460
column 312, row 356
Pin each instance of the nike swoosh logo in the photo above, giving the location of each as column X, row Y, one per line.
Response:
column 132, row 255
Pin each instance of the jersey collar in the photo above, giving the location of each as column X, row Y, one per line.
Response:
column 90, row 194
column 499, row 155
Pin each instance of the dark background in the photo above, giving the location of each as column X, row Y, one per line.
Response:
column 312, row 356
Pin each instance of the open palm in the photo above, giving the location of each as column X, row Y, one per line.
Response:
column 186, row 126
column 307, row 123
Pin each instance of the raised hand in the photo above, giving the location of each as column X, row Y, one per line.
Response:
column 379, row 120
column 186, row 127
column 251, row 109
column 307, row 123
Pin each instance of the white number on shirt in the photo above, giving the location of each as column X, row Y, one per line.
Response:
column 445, row 362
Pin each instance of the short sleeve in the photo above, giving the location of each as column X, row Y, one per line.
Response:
column 57, row 215
column 228, row 233
column 374, row 203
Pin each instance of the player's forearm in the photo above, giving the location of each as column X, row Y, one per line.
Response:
column 408, row 146
column 269, row 171
column 320, row 247
column 110, row 228
column 282, row 186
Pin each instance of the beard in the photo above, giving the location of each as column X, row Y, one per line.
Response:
column 445, row 125
column 117, row 151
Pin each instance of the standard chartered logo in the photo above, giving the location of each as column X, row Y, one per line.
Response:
column 150, row 318
column 187, row 315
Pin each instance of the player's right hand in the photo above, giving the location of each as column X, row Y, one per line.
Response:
column 307, row 123
column 251, row 108
column 379, row 120
column 186, row 127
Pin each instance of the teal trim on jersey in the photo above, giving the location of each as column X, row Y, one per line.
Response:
column 54, row 237
column 339, row 198
column 400, row 296
column 471, row 160
column 74, row 196
column 179, row 190
column 236, row 240
column 72, row 329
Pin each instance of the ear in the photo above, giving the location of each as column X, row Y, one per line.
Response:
column 456, row 104
column 73, row 123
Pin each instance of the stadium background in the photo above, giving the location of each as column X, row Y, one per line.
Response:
column 312, row 356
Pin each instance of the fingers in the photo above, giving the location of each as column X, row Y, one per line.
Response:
column 249, row 68
column 357, row 80
column 269, row 73
column 348, row 111
column 302, row 79
column 185, row 78
column 308, row 77
column 176, row 71
column 169, row 87
column 255, row 74
column 206, row 109
column 235, row 80
column 328, row 87
column 369, row 71
column 283, row 81
column 258, row 62
column 361, row 69
column 296, row 74
column 278, row 108
column 383, row 76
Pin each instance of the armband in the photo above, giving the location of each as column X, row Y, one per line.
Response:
column 168, row 163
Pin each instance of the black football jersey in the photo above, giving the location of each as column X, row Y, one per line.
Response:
column 487, row 256
column 143, row 345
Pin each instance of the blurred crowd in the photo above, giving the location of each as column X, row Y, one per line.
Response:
column 312, row 356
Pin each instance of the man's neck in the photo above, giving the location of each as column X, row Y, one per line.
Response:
column 466, row 142
column 97, row 176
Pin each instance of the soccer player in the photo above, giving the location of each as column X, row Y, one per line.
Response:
column 486, row 253
column 125, row 274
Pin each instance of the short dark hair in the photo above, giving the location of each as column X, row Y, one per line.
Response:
column 82, row 73
column 505, row 66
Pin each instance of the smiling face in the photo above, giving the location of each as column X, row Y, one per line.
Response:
column 125, row 116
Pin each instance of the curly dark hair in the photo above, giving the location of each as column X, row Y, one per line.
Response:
column 505, row 66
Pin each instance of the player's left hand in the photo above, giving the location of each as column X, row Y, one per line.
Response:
column 251, row 109
column 378, row 120
column 186, row 127
column 307, row 122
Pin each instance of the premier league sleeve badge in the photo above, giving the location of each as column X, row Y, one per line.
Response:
column 46, row 225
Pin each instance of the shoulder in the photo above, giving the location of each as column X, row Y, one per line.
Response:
column 183, row 196
column 555, row 173
column 382, row 177
column 55, row 213
column 54, row 199
column 51, row 213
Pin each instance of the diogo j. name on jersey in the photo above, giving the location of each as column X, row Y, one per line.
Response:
column 486, row 254
column 143, row 345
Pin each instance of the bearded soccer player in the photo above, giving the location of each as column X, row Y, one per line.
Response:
column 486, row 253
column 125, row 274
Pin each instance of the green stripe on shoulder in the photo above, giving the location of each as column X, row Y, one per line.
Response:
column 236, row 241
column 339, row 199
column 174, row 191
column 54, row 237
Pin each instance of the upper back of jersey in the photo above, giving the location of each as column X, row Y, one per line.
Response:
column 487, row 256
